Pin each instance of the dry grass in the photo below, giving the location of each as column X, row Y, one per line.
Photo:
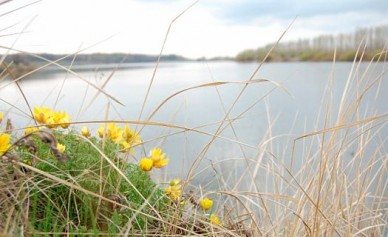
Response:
column 328, row 194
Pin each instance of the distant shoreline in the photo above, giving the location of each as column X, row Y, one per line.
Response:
column 307, row 55
column 20, row 64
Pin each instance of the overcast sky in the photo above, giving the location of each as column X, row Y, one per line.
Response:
column 210, row 28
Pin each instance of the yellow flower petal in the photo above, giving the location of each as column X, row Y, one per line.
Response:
column 146, row 164
column 1, row 117
column 214, row 219
column 175, row 182
column 161, row 163
column 158, row 157
column 61, row 148
column 114, row 132
column 101, row 131
column 85, row 131
column 174, row 192
column 130, row 136
column 4, row 143
column 126, row 147
column 41, row 114
column 29, row 130
column 206, row 203
column 65, row 121
column 156, row 154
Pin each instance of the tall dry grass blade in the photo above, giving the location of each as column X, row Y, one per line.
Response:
column 31, row 115
column 322, row 163
column 13, row 34
column 206, row 148
column 204, row 151
column 5, row 1
column 343, row 126
column 159, row 57
column 103, row 85
column 63, row 82
column 211, row 84
column 17, row 9
column 11, row 74
column 159, row 124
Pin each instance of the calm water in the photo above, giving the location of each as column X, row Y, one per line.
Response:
column 283, row 112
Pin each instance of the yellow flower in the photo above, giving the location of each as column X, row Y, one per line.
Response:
column 146, row 164
column 4, row 143
column 214, row 219
column 112, row 132
column 156, row 154
column 126, row 147
column 158, row 158
column 61, row 148
column 115, row 133
column 65, row 122
column 62, row 118
column 1, row 117
column 161, row 163
column 174, row 191
column 101, row 131
column 85, row 131
column 50, row 122
column 130, row 136
column 50, row 118
column 41, row 114
column 175, row 182
column 29, row 130
column 206, row 203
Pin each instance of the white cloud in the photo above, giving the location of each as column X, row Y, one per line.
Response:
column 140, row 27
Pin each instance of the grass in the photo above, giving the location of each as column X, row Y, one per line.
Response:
column 53, row 206
column 93, row 188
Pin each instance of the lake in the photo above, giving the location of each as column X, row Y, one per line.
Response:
column 267, row 117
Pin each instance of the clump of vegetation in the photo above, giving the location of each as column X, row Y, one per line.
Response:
column 57, row 180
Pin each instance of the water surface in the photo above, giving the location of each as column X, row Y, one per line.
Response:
column 292, row 103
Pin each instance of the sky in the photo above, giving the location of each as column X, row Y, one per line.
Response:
column 210, row 28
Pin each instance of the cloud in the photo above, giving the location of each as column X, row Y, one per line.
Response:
column 249, row 10
column 211, row 28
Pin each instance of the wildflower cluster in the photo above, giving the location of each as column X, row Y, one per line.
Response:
column 156, row 159
column 174, row 190
column 206, row 204
column 50, row 118
column 126, row 137
column 64, row 154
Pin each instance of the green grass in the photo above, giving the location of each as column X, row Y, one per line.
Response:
column 53, row 204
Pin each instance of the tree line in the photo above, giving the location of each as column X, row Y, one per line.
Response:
column 82, row 59
column 321, row 48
